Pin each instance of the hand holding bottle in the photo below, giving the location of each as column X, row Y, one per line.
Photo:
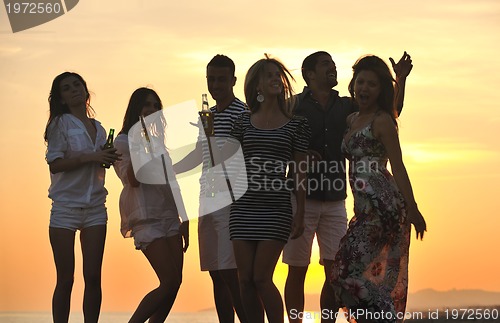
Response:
column 108, row 154
column 206, row 116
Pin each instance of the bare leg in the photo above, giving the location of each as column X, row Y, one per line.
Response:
column 230, row 277
column 268, row 253
column 244, row 252
column 63, row 249
column 256, row 261
column 166, row 257
column 227, row 295
column 175, row 278
column 92, row 241
column 222, row 297
column 327, row 299
column 294, row 292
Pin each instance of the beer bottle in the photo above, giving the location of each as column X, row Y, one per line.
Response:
column 207, row 119
column 108, row 144
column 207, row 122
column 204, row 102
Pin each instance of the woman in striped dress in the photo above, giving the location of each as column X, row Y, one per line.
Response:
column 261, row 221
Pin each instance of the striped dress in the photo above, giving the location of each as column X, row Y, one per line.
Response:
column 264, row 212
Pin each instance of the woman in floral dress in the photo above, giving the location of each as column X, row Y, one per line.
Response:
column 370, row 272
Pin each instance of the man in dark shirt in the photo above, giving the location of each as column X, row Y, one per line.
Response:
column 325, row 214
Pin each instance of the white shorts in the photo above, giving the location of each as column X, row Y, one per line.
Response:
column 77, row 218
column 328, row 221
column 146, row 233
column 216, row 249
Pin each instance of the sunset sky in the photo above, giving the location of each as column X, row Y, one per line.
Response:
column 449, row 127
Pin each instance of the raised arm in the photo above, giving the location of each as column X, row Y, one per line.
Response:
column 227, row 151
column 402, row 69
column 386, row 132
column 193, row 159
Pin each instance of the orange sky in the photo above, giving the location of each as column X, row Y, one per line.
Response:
column 449, row 126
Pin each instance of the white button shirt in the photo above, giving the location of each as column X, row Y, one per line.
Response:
column 82, row 187
column 145, row 204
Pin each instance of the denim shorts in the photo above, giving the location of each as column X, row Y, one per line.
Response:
column 77, row 218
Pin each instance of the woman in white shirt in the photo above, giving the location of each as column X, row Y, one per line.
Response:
column 74, row 154
column 150, row 215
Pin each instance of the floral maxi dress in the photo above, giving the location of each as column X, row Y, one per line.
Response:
column 370, row 272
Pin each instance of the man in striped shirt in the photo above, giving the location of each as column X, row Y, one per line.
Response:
column 216, row 250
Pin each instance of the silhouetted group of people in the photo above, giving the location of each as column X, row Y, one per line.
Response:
column 278, row 132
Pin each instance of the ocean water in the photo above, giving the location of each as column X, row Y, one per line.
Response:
column 46, row 317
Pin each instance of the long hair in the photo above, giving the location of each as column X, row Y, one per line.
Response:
column 375, row 64
column 57, row 108
column 135, row 105
column 256, row 73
